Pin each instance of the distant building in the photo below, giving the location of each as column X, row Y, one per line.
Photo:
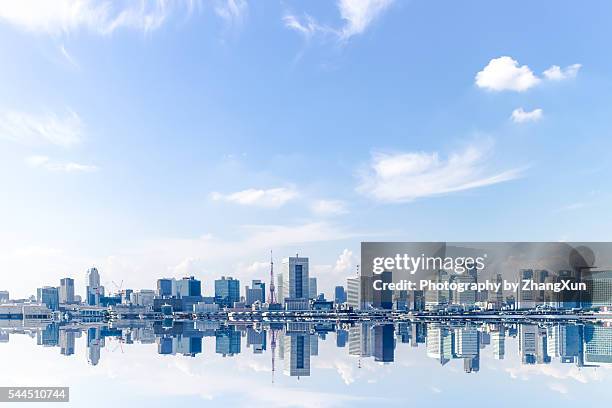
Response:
column 187, row 286
column 353, row 292
column 227, row 341
column 143, row 297
column 94, row 290
column 227, row 291
column 257, row 292
column 598, row 289
column 279, row 289
column 4, row 296
column 438, row 299
column 48, row 296
column 297, row 350
column 164, row 287
column 66, row 294
column 312, row 288
column 339, row 295
column 295, row 280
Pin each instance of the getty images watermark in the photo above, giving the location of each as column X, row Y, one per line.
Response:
column 535, row 272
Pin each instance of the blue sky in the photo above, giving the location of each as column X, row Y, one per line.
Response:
column 166, row 138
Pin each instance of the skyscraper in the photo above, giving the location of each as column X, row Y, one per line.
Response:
column 312, row 288
column 227, row 291
column 164, row 287
column 4, row 296
column 187, row 286
column 94, row 290
column 66, row 294
column 295, row 279
column 279, row 289
column 339, row 295
column 49, row 296
column 353, row 292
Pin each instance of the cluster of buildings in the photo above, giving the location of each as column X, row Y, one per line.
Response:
column 596, row 295
column 295, row 343
column 293, row 289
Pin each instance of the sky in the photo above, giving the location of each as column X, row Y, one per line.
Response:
column 171, row 138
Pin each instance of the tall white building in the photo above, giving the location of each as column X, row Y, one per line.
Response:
column 94, row 289
column 66, row 292
column 353, row 292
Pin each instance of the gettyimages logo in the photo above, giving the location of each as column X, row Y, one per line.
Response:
column 412, row 264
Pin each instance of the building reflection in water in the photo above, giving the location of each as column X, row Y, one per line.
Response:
column 296, row 343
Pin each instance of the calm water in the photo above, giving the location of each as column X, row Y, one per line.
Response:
column 211, row 362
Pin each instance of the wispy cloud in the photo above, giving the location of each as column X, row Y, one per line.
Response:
column 556, row 73
column 357, row 16
column 519, row 115
column 61, row 130
column 97, row 16
column 404, row 177
column 233, row 12
column 506, row 74
column 269, row 198
column 328, row 207
column 69, row 58
column 46, row 163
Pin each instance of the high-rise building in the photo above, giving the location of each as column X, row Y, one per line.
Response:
column 143, row 297
column 384, row 343
column 465, row 298
column 526, row 298
column 498, row 342
column 164, row 287
column 297, row 349
column 438, row 299
column 339, row 295
column 255, row 293
column 67, row 341
column 312, row 288
column 353, row 292
column 279, row 289
column 187, row 286
column 66, row 293
column 598, row 289
column 295, row 279
column 94, row 290
column 227, row 341
column 49, row 296
column 227, row 291
column 4, row 296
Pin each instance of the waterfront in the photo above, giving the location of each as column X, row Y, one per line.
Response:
column 153, row 363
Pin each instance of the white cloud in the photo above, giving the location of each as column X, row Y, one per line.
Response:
column 356, row 15
column 270, row 198
column 98, row 16
column 328, row 207
column 403, row 177
column 359, row 14
column 26, row 128
column 67, row 167
column 344, row 263
column 504, row 73
column 232, row 11
column 556, row 73
column 519, row 115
